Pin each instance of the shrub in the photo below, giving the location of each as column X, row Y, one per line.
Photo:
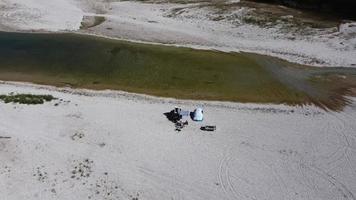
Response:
column 26, row 98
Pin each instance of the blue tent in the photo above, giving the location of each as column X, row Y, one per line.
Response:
column 198, row 114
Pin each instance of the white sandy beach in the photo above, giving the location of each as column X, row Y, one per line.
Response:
column 110, row 145
column 42, row 15
column 115, row 145
column 193, row 26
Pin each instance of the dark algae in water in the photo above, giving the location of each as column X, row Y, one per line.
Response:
column 98, row 63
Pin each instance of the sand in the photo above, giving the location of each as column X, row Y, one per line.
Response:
column 116, row 145
column 194, row 26
column 40, row 15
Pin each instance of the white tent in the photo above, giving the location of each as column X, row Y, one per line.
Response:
column 198, row 114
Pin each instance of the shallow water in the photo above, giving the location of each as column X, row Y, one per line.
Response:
column 92, row 62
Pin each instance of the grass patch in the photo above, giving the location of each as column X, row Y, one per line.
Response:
column 26, row 98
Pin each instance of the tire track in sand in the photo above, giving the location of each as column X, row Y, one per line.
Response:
column 228, row 186
column 225, row 180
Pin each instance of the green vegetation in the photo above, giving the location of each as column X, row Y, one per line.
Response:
column 26, row 98
column 97, row 63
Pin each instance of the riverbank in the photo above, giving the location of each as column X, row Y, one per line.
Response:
column 227, row 26
column 115, row 145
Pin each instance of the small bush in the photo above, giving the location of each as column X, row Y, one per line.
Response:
column 26, row 98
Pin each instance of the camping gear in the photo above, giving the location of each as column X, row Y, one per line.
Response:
column 174, row 115
column 198, row 114
column 180, row 125
column 208, row 128
column 184, row 113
